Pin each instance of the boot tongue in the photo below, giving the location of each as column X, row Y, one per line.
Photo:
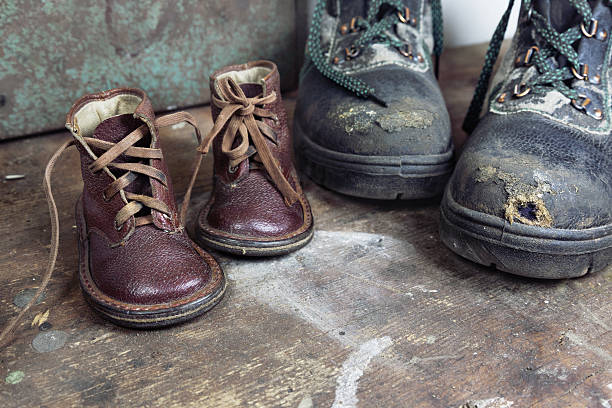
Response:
column 113, row 130
column 350, row 9
column 251, row 90
column 560, row 14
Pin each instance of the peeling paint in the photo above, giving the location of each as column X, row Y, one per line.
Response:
column 14, row 377
column 48, row 341
column 24, row 297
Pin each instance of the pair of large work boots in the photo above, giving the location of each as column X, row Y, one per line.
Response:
column 531, row 192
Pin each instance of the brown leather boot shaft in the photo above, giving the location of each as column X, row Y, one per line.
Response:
column 257, row 196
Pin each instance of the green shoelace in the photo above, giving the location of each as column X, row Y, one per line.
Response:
column 373, row 29
column 555, row 43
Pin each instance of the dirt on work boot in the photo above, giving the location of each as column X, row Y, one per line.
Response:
column 532, row 191
column 257, row 207
column 370, row 119
column 137, row 266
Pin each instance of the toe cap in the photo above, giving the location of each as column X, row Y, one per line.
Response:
column 153, row 267
column 525, row 168
column 415, row 122
column 251, row 208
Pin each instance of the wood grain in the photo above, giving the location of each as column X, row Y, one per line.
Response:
column 461, row 335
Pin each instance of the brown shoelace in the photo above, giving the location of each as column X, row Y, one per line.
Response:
column 135, row 201
column 238, row 113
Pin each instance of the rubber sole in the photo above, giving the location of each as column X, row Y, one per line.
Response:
column 379, row 177
column 143, row 316
column 531, row 251
column 254, row 248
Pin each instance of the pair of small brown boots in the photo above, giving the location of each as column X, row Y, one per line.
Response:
column 137, row 265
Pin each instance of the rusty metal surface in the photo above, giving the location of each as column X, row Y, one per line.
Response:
column 53, row 51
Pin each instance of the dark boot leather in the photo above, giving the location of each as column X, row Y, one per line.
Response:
column 532, row 191
column 355, row 145
column 142, row 270
column 257, row 206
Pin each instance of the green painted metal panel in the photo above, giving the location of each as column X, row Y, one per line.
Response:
column 54, row 51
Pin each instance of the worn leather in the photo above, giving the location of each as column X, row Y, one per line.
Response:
column 146, row 265
column 415, row 122
column 527, row 153
column 541, row 144
column 244, row 203
column 152, row 267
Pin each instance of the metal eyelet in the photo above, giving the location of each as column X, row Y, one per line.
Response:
column 583, row 75
column 352, row 52
column 521, row 90
column 405, row 17
column 232, row 169
column 526, row 60
column 117, row 226
column 584, row 104
column 597, row 114
column 593, row 25
column 406, row 50
column 351, row 27
column 502, row 98
column 104, row 197
column 530, row 53
column 602, row 35
column 166, row 216
column 581, row 104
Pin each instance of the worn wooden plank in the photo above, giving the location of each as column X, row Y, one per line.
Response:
column 375, row 310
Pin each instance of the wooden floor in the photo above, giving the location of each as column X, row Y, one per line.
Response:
column 374, row 312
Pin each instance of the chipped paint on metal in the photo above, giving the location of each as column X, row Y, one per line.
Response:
column 169, row 49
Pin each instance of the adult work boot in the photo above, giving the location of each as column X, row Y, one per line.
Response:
column 532, row 191
column 137, row 266
column 370, row 119
column 257, row 207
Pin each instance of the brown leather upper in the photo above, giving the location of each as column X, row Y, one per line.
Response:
column 245, row 203
column 148, row 264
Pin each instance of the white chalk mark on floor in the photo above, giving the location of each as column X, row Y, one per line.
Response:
column 279, row 282
column 580, row 341
column 497, row 402
column 352, row 370
column 424, row 289
column 306, row 402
